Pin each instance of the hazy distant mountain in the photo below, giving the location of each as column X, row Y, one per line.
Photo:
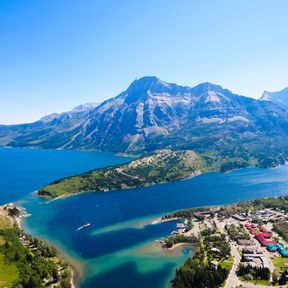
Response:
column 73, row 114
column 153, row 114
column 47, row 131
column 280, row 97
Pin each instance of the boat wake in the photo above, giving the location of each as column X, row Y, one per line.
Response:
column 83, row 226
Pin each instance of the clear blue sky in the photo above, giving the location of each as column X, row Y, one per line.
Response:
column 56, row 54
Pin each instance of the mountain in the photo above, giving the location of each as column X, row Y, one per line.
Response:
column 280, row 97
column 227, row 130
column 51, row 131
column 159, row 167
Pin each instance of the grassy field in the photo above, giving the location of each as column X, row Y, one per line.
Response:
column 2, row 240
column 227, row 263
column 256, row 282
column 8, row 273
column 5, row 222
column 280, row 262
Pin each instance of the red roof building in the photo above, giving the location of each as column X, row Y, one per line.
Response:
column 263, row 229
column 264, row 241
column 266, row 235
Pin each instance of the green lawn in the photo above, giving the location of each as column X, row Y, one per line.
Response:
column 280, row 262
column 256, row 282
column 8, row 273
column 260, row 282
column 227, row 263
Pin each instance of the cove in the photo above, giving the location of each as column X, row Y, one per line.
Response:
column 119, row 250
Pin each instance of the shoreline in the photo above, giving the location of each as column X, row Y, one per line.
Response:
column 194, row 174
column 74, row 277
column 177, row 245
column 198, row 173
column 161, row 220
column 75, row 271
column 62, row 196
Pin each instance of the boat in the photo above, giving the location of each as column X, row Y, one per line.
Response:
column 84, row 226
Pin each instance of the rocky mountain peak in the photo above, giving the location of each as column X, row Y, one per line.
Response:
column 85, row 107
column 153, row 114
column 147, row 83
column 141, row 88
column 208, row 87
column 49, row 118
column 279, row 97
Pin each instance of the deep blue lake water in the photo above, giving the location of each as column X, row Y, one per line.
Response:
column 119, row 250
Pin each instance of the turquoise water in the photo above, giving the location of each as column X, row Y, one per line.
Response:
column 119, row 250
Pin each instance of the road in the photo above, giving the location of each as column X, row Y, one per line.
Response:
column 232, row 280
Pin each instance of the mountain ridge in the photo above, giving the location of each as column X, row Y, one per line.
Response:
column 279, row 97
column 151, row 114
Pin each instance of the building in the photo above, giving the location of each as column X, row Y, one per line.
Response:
column 248, row 250
column 265, row 262
column 239, row 217
column 245, row 242
column 263, row 241
column 277, row 247
column 251, row 257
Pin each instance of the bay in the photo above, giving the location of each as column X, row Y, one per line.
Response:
column 118, row 250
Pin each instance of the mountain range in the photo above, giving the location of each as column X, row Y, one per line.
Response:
column 227, row 130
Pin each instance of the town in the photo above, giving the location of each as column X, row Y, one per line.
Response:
column 255, row 232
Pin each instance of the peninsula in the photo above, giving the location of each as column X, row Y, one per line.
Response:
column 160, row 167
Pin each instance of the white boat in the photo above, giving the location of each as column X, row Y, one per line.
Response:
column 84, row 226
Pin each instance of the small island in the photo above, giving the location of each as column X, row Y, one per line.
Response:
column 160, row 167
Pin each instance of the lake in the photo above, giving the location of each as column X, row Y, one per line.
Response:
column 119, row 248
